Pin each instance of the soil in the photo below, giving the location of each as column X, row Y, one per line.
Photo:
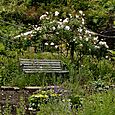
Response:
column 15, row 97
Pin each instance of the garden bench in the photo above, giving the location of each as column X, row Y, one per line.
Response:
column 42, row 66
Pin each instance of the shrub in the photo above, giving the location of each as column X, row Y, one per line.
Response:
column 41, row 98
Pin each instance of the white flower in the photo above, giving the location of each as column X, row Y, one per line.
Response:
column 76, row 16
column 47, row 18
column 25, row 38
column 106, row 56
column 27, row 33
column 60, row 20
column 67, row 28
column 53, row 28
column 103, row 43
column 43, row 16
column 46, row 44
column 56, row 13
column 95, row 38
column 80, row 30
column 30, row 108
column 81, row 12
column 66, row 20
column 57, row 33
column 60, row 23
column 70, row 15
column 80, row 37
column 87, row 31
column 89, row 35
column 83, row 21
column 56, row 46
column 106, row 46
column 52, row 44
column 89, row 49
column 81, row 45
column 74, row 39
column 97, row 47
column 47, row 12
column 87, row 39
column 60, row 26
column 38, row 28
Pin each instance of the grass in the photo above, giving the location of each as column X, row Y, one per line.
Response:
column 99, row 104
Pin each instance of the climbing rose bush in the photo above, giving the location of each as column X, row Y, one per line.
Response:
column 69, row 29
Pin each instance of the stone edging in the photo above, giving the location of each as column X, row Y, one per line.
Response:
column 27, row 88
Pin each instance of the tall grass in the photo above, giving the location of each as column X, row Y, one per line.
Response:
column 99, row 104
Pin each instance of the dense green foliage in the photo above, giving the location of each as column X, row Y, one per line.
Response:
column 59, row 29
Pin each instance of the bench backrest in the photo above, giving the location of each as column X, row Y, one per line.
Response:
column 35, row 66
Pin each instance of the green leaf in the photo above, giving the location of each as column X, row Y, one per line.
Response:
column 95, row 20
column 2, row 47
column 111, row 51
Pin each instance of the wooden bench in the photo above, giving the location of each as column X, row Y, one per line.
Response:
column 42, row 66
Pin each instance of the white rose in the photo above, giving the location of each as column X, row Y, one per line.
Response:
column 81, row 12
column 46, row 44
column 56, row 13
column 52, row 44
column 67, row 28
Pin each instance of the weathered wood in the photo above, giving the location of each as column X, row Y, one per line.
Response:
column 42, row 66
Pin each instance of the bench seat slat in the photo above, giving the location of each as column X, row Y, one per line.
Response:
column 47, row 71
column 37, row 64
column 40, row 62
column 43, row 60
column 42, row 69
column 45, row 66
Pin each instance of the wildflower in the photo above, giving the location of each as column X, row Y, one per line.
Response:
column 67, row 28
column 56, row 13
